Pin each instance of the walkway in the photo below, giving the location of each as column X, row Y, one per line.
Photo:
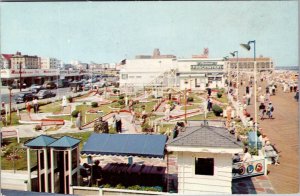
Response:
column 283, row 132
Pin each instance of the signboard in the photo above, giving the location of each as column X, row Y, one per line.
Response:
column 15, row 73
column 206, row 66
column 247, row 169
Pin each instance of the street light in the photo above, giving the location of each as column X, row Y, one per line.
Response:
column 237, row 72
column 228, row 70
column 10, row 88
column 247, row 46
column 20, row 67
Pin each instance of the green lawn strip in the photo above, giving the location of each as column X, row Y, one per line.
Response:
column 210, row 116
column 190, row 107
column 51, row 108
column 148, row 106
column 14, row 118
column 223, row 99
column 165, row 127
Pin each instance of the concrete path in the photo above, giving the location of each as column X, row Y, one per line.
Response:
column 283, row 132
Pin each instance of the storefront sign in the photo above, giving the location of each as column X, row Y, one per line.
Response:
column 247, row 169
column 15, row 73
column 206, row 66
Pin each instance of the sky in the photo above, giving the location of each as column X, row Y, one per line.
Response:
column 107, row 32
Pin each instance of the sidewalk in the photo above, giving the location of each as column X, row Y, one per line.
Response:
column 283, row 132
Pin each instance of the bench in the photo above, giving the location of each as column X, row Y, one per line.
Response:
column 10, row 133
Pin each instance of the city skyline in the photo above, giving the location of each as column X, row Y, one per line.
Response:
column 107, row 32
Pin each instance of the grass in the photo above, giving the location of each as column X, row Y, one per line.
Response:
column 210, row 116
column 14, row 120
column 195, row 97
column 51, row 108
column 189, row 107
column 165, row 127
column 223, row 99
column 148, row 106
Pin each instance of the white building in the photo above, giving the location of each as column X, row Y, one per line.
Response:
column 142, row 72
column 198, row 74
column 204, row 159
column 49, row 63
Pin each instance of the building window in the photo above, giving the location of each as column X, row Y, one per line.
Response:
column 204, row 166
column 138, row 76
column 124, row 76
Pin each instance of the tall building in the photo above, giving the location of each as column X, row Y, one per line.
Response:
column 27, row 62
column 49, row 63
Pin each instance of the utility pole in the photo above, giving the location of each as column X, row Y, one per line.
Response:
column 20, row 67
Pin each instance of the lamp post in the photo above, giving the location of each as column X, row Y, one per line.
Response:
column 247, row 46
column 228, row 73
column 20, row 67
column 237, row 72
column 185, row 100
column 10, row 88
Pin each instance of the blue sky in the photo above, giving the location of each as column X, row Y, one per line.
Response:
column 110, row 31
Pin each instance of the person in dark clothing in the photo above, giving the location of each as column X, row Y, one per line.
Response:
column 209, row 91
column 262, row 110
column 247, row 89
column 267, row 90
column 96, row 172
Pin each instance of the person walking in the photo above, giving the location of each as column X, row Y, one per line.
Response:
column 28, row 106
column 35, row 105
column 78, row 121
column 270, row 110
column 262, row 110
column 248, row 96
column 118, row 122
column 209, row 104
column 247, row 89
column 133, row 116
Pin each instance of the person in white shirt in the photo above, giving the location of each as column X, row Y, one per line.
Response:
column 35, row 105
column 247, row 156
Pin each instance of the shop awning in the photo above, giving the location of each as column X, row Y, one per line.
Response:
column 125, row 145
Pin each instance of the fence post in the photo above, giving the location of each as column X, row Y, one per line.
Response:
column 100, row 191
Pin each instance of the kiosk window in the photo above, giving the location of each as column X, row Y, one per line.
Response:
column 204, row 166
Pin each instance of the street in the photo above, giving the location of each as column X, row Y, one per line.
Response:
column 5, row 93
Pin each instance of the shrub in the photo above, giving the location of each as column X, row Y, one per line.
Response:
column 84, row 103
column 143, row 107
column 120, row 186
column 115, row 91
column 38, row 127
column 217, row 110
column 190, row 99
column 107, row 186
column 135, row 187
column 121, row 102
column 121, row 97
column 219, row 94
column 253, row 151
column 70, row 99
column 94, row 104
column 75, row 113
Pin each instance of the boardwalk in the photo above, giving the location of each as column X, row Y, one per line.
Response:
column 283, row 132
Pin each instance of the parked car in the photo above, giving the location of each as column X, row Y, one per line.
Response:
column 17, row 85
column 87, row 87
column 36, row 89
column 62, row 83
column 45, row 94
column 49, row 85
column 24, row 96
column 33, row 86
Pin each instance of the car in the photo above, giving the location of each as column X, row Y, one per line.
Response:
column 49, row 85
column 87, row 87
column 33, row 86
column 45, row 94
column 24, row 96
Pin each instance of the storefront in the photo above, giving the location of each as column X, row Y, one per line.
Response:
column 37, row 76
column 198, row 74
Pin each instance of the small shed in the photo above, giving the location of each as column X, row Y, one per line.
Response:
column 204, row 158
column 57, row 163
